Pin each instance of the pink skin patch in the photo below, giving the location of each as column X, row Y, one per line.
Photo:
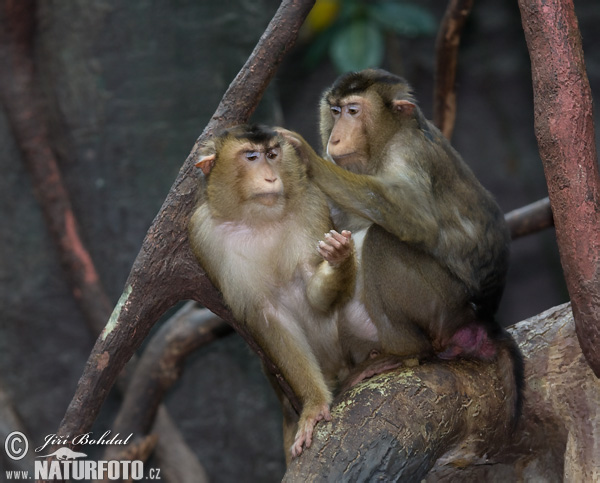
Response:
column 469, row 341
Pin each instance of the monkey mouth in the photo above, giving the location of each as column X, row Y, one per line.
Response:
column 347, row 160
column 267, row 199
column 342, row 156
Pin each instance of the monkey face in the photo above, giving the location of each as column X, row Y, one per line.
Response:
column 252, row 173
column 348, row 142
column 259, row 166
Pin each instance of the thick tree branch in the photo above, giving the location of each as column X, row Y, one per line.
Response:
column 161, row 365
column 165, row 271
column 397, row 425
column 446, row 47
column 564, row 128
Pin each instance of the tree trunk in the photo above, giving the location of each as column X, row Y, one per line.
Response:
column 564, row 127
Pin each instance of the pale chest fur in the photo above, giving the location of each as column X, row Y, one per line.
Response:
column 255, row 264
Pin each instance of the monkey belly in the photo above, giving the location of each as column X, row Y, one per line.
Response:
column 416, row 304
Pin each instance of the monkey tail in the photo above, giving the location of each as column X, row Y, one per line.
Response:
column 512, row 369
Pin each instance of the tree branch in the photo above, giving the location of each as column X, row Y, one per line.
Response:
column 445, row 421
column 20, row 100
column 564, row 128
column 19, row 96
column 165, row 271
column 446, row 47
column 161, row 365
column 530, row 218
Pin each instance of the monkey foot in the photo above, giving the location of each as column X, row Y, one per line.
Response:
column 306, row 426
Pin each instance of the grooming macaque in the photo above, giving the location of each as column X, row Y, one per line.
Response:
column 432, row 243
column 256, row 233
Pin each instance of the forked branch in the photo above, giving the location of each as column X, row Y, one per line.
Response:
column 165, row 271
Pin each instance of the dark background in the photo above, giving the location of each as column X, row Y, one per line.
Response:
column 128, row 87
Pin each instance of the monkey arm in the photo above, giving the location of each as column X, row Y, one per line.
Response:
column 403, row 206
column 333, row 282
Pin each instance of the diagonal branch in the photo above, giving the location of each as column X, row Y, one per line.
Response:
column 446, row 46
column 165, row 271
column 564, row 126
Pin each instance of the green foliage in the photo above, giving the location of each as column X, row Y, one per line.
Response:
column 359, row 45
column 355, row 40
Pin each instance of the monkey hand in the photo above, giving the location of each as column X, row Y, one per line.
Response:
column 336, row 247
column 309, row 418
column 304, row 150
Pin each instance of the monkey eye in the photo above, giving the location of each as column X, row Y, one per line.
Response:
column 252, row 155
column 353, row 109
column 336, row 110
column 272, row 153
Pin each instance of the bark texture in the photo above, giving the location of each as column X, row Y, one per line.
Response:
column 564, row 127
column 165, row 270
column 444, row 421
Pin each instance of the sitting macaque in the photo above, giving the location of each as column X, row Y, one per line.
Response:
column 432, row 243
column 257, row 233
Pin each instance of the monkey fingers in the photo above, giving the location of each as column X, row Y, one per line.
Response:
column 306, row 425
column 336, row 247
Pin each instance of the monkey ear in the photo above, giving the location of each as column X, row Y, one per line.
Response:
column 403, row 106
column 206, row 163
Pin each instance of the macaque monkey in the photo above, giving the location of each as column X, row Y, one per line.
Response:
column 256, row 233
column 432, row 243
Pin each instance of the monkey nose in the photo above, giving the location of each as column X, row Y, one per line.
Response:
column 271, row 180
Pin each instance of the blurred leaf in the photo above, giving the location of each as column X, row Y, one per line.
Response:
column 402, row 18
column 319, row 47
column 359, row 45
column 322, row 15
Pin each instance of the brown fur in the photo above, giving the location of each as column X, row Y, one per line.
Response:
column 432, row 242
column 256, row 232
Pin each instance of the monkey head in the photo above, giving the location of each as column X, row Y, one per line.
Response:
column 359, row 114
column 250, row 171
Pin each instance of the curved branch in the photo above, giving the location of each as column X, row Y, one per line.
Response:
column 564, row 126
column 444, row 421
column 446, row 47
column 165, row 271
column 161, row 365
column 18, row 96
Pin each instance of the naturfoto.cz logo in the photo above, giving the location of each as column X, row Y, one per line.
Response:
column 67, row 464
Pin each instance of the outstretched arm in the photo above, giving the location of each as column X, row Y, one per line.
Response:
column 399, row 201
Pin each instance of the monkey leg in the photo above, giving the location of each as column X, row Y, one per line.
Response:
column 415, row 302
column 306, row 425
column 292, row 354
column 290, row 417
